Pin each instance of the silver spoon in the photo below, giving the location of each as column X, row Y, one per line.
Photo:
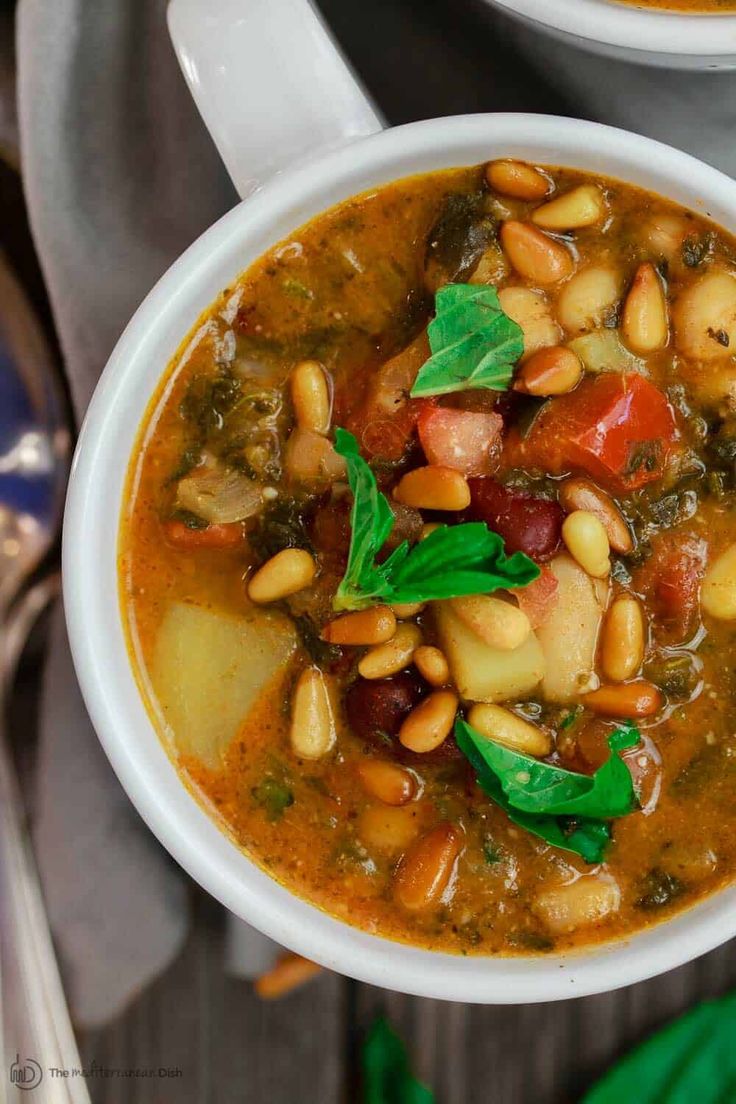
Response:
column 36, row 1033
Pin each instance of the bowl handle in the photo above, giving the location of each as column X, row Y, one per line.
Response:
column 270, row 83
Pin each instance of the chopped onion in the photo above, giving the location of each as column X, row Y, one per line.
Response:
column 219, row 496
column 310, row 458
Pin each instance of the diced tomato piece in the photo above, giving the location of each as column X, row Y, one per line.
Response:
column 538, row 599
column 385, row 420
column 619, row 429
column 526, row 522
column 670, row 580
column 465, row 440
column 213, row 536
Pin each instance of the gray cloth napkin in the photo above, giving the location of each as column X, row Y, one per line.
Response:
column 120, row 177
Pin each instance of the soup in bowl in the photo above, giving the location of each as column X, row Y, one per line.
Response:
column 425, row 558
column 678, row 34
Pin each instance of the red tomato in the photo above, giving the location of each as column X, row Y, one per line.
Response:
column 538, row 599
column 670, row 579
column 385, row 420
column 619, row 429
column 213, row 536
column 526, row 522
column 461, row 439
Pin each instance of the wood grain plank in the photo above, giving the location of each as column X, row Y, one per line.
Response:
column 230, row 1046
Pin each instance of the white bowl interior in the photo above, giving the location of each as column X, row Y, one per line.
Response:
column 90, row 546
column 638, row 29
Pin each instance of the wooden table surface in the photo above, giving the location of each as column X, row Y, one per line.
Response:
column 419, row 58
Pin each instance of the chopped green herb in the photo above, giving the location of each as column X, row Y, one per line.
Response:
column 452, row 561
column 676, row 675
column 695, row 249
column 459, row 237
column 657, row 889
column 280, row 526
column 274, row 796
column 387, row 1077
column 492, row 852
column 566, row 809
column 319, row 651
column 208, row 399
column 474, row 344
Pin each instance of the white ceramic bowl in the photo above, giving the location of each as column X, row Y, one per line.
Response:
column 91, row 532
column 650, row 36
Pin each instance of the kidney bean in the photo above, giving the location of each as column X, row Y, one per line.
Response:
column 526, row 522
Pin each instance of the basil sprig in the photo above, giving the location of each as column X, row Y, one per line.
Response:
column 387, row 1076
column 691, row 1059
column 474, row 344
column 566, row 809
column 452, row 561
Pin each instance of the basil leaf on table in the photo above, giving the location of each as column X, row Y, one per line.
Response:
column 474, row 343
column 692, row 1059
column 387, row 1078
column 565, row 809
column 451, row 562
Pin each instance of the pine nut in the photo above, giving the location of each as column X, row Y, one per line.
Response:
column 405, row 610
column 509, row 729
column 583, row 494
column 718, row 593
column 553, row 371
column 665, row 233
column 387, row 782
column 289, row 973
column 497, row 623
column 429, row 723
column 313, row 732
column 366, row 627
column 704, row 317
column 431, row 664
column 588, row 297
column 310, row 395
column 622, row 645
column 534, row 255
column 517, row 180
column 530, row 310
column 582, row 206
column 382, row 828
column 587, row 542
column 626, row 699
column 433, row 487
column 424, row 873
column 287, row 572
column 644, row 323
column 388, row 659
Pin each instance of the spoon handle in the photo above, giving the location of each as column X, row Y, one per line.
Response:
column 36, row 1035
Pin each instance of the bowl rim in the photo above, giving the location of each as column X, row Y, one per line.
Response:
column 89, row 554
column 626, row 26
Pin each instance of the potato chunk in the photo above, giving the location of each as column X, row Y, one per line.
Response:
column 569, row 636
column 208, row 670
column 481, row 672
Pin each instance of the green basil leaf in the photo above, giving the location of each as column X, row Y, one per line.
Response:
column 692, row 1059
column 387, row 1078
column 584, row 836
column 474, row 343
column 533, row 786
column 451, row 562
